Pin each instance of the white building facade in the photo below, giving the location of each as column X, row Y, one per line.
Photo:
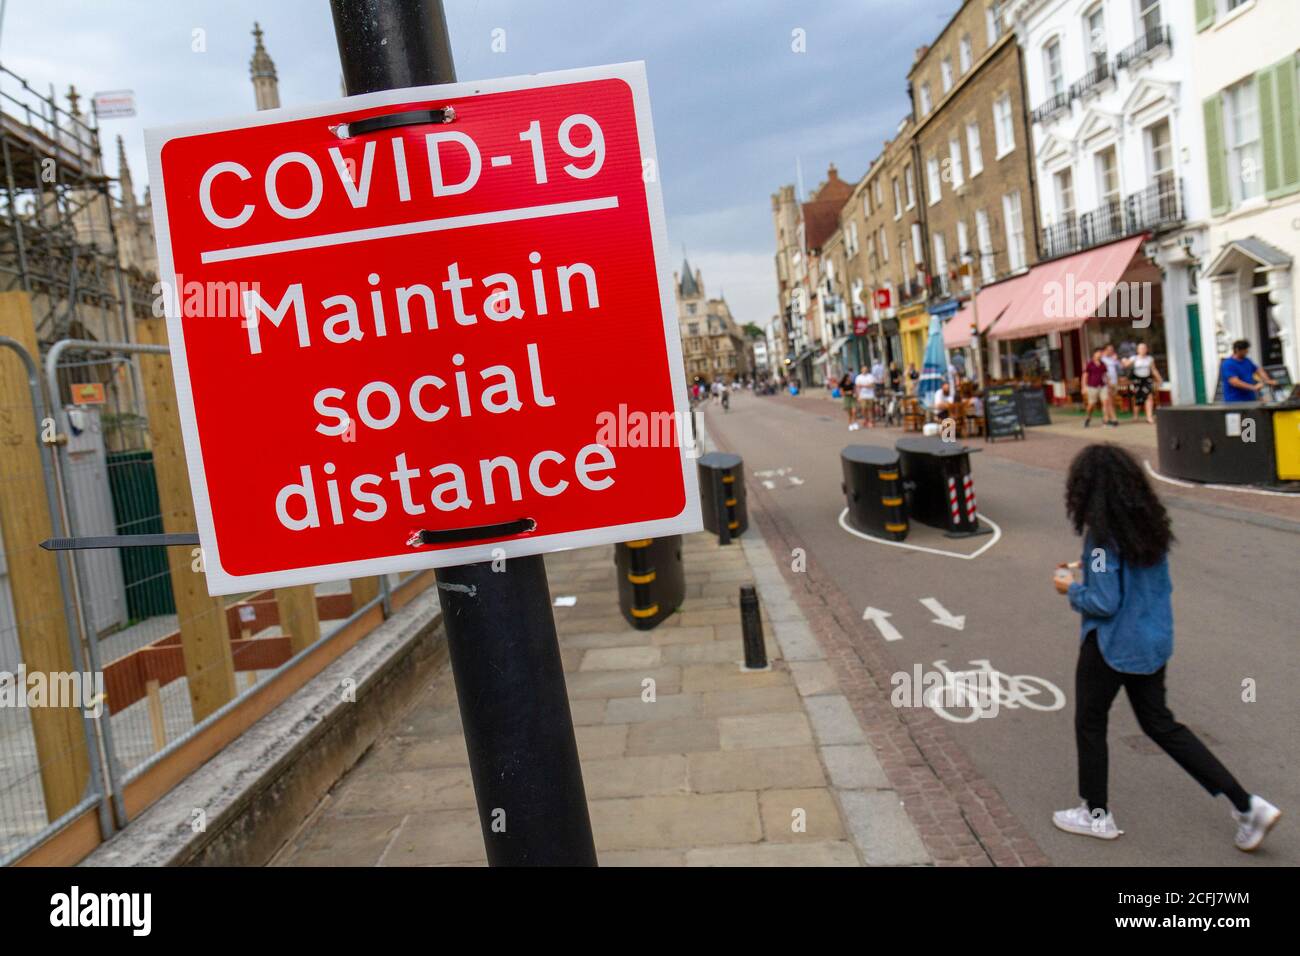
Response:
column 1118, row 144
column 1245, row 67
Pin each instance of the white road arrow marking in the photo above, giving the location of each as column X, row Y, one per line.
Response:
column 881, row 620
column 795, row 481
column 942, row 615
column 764, row 474
column 769, row 485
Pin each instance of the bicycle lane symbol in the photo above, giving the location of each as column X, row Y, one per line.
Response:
column 964, row 696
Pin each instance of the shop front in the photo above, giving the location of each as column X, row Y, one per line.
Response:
column 913, row 327
column 1061, row 310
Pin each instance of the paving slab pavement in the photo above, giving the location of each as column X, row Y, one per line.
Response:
column 720, row 767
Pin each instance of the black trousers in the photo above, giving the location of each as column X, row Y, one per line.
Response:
column 1096, row 685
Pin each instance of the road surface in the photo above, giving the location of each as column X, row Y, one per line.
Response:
column 1236, row 603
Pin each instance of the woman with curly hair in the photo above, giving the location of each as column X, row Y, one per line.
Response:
column 1128, row 637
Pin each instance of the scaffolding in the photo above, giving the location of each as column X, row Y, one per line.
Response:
column 59, row 239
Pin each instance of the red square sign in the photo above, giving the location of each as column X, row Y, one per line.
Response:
column 462, row 328
column 882, row 298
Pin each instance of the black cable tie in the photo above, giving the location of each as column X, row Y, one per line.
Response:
column 373, row 124
column 478, row 533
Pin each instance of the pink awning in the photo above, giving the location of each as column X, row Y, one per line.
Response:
column 993, row 301
column 1055, row 296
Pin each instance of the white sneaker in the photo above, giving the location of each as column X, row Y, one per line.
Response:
column 1254, row 824
column 1081, row 821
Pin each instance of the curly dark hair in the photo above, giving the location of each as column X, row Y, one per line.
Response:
column 1108, row 497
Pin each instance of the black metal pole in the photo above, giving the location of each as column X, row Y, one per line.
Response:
column 501, row 638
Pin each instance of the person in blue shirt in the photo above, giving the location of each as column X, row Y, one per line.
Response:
column 1239, row 373
column 1127, row 638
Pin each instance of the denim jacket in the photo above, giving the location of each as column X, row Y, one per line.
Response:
column 1129, row 607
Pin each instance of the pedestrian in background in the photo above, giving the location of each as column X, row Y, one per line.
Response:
column 1109, row 417
column 1146, row 379
column 848, row 400
column 1238, row 374
column 865, row 388
column 1127, row 633
column 1094, row 385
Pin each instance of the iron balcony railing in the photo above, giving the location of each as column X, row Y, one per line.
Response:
column 1158, row 206
column 1102, row 73
column 1155, row 39
column 1056, row 104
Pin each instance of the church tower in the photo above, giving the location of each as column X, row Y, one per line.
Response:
column 266, row 87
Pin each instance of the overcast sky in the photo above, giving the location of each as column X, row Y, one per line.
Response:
column 734, row 104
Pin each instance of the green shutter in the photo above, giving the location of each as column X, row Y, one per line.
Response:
column 1204, row 14
column 1216, row 166
column 1279, row 122
column 1264, row 91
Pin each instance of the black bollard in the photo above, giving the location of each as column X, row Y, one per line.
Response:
column 751, row 629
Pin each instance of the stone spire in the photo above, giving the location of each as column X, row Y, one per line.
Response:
column 124, row 176
column 266, row 88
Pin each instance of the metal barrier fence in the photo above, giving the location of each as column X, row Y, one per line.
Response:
column 134, row 620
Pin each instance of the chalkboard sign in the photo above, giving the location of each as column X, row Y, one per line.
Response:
column 1002, row 413
column 1033, row 406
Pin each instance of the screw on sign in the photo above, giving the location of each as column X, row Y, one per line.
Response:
column 427, row 315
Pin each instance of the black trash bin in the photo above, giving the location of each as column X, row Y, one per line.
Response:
column 937, row 485
column 651, row 579
column 873, row 491
column 722, row 495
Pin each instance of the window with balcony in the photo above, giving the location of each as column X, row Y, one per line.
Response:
column 918, row 247
column 1160, row 152
column 993, row 21
column 984, row 236
column 1004, row 129
column 1053, row 70
column 973, row 149
column 963, row 254
column 1245, row 155
column 945, row 74
column 1065, row 195
column 940, row 262
column 1149, row 20
column 1153, row 36
column 1015, row 227
column 956, row 172
column 965, row 54
column 1094, row 36
column 932, row 174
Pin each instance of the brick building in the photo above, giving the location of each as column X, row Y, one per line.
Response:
column 975, row 161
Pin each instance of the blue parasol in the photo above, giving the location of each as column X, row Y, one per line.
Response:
column 934, row 368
